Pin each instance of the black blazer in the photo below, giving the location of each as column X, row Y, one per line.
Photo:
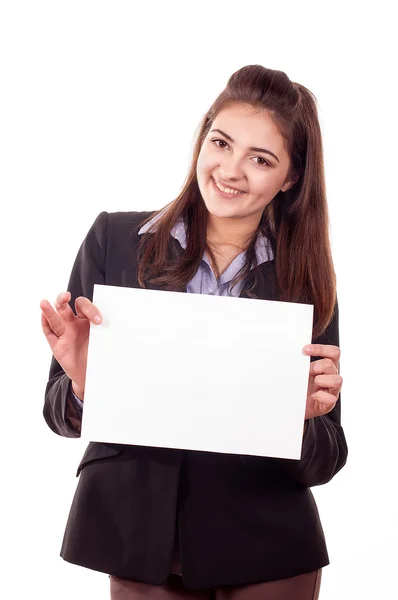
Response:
column 240, row 519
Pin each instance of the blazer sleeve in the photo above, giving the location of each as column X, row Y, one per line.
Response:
column 59, row 410
column 324, row 450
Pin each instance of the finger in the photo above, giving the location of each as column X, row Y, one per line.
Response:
column 54, row 320
column 325, row 402
column 62, row 306
column 86, row 309
column 48, row 332
column 330, row 382
column 323, row 365
column 324, row 350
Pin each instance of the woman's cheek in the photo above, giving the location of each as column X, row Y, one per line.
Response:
column 205, row 162
column 266, row 185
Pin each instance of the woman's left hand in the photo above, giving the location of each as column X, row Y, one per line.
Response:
column 324, row 382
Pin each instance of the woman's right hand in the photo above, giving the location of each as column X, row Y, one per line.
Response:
column 68, row 335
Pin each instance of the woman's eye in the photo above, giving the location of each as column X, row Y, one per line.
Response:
column 222, row 141
column 265, row 163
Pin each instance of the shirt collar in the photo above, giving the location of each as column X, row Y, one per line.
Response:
column 262, row 248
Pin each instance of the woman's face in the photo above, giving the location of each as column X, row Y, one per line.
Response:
column 243, row 151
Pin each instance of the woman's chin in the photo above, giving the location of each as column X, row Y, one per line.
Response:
column 221, row 209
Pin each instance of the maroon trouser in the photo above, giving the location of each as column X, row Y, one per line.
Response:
column 301, row 587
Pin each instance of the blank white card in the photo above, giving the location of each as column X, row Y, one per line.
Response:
column 197, row 372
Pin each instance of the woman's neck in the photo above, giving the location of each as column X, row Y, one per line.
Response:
column 222, row 231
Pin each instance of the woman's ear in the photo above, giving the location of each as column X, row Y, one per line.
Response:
column 287, row 185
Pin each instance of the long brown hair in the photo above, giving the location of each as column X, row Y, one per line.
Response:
column 296, row 222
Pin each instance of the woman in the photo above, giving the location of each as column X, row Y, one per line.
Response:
column 251, row 221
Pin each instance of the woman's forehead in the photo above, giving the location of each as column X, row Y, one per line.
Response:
column 248, row 126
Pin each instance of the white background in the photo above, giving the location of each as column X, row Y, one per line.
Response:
column 99, row 105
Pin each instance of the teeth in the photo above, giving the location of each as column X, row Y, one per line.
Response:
column 226, row 190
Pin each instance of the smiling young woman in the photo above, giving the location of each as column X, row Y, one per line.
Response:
column 251, row 221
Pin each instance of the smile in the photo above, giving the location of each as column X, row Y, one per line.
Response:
column 225, row 190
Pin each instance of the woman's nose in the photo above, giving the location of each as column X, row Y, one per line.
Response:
column 231, row 170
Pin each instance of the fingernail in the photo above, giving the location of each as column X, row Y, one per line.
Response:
column 97, row 319
column 64, row 295
column 308, row 348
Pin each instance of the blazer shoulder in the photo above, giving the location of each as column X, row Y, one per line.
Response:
column 129, row 219
column 111, row 228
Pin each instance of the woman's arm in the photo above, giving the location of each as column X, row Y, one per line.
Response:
column 324, row 450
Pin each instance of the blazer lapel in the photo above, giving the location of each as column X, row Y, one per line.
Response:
column 266, row 287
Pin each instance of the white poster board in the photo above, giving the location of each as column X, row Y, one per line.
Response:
column 197, row 372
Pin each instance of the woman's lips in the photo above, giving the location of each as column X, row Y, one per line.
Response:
column 224, row 194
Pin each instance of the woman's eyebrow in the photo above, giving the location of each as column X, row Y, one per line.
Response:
column 253, row 148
